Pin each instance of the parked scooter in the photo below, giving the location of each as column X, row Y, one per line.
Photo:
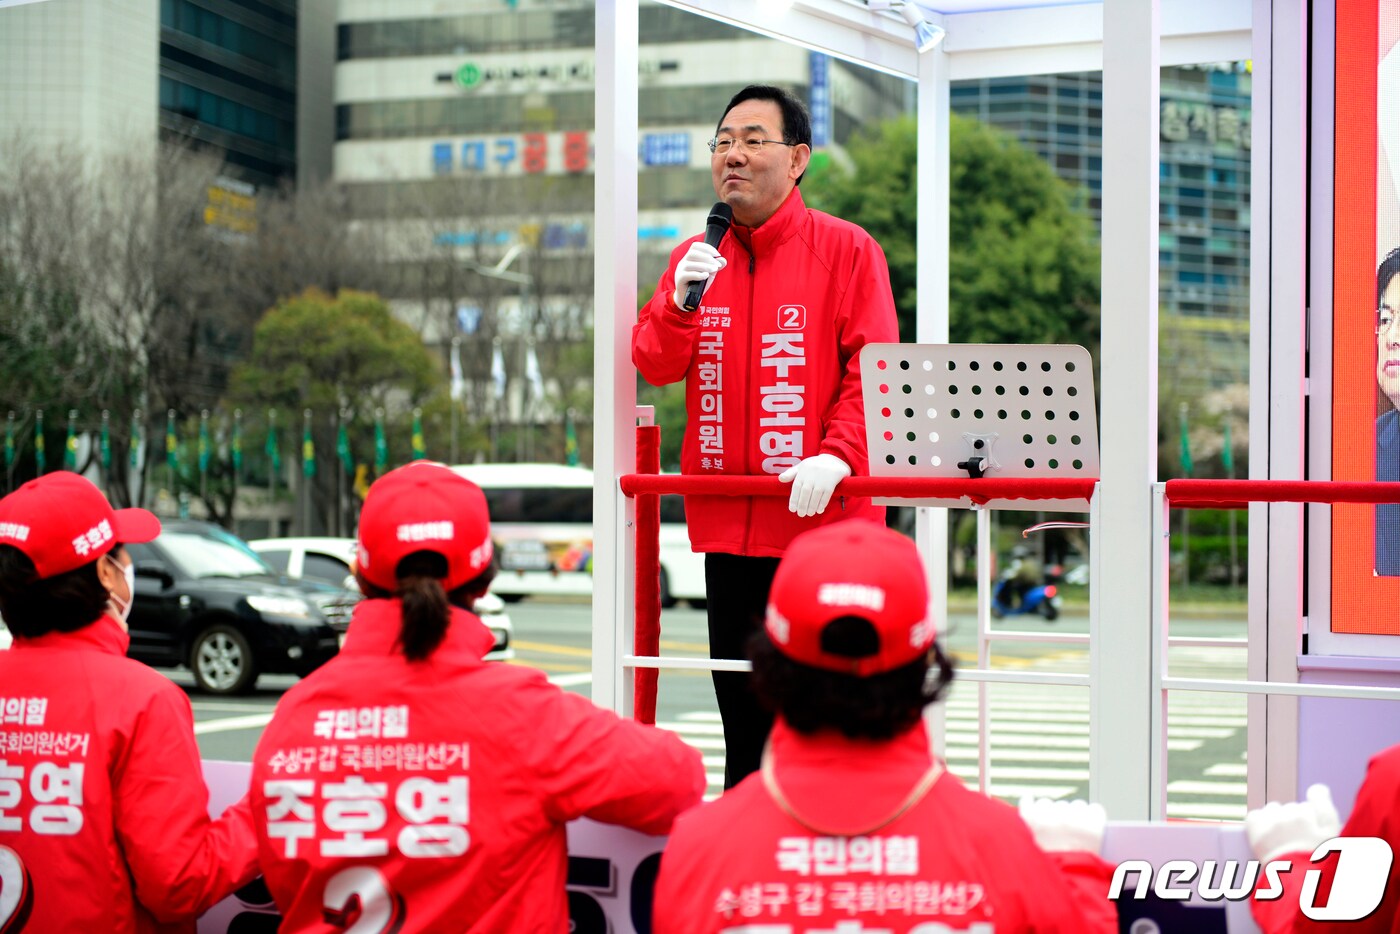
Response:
column 1012, row 596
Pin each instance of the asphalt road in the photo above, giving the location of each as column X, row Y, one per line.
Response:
column 1039, row 734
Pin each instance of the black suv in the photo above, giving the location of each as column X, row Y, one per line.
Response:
column 206, row 600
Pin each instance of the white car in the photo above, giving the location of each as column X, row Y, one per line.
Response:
column 328, row 559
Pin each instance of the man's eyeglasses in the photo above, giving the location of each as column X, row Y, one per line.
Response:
column 751, row 146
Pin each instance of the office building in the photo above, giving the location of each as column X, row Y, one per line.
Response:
column 79, row 76
column 116, row 76
column 228, row 82
column 1204, row 196
column 473, row 121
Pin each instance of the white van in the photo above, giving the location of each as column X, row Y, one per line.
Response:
column 542, row 522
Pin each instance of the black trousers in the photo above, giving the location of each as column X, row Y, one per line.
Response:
column 736, row 595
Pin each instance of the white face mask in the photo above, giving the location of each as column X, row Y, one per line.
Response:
column 122, row 609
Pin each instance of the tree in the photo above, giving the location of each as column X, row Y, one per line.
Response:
column 346, row 354
column 512, row 257
column 1023, row 264
column 117, row 291
column 669, row 401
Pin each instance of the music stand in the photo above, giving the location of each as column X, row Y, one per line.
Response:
column 970, row 410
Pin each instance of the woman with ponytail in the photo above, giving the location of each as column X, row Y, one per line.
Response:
column 410, row 781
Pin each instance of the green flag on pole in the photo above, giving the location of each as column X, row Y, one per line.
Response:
column 420, row 448
column 106, row 440
column 204, row 442
column 1227, row 453
column 381, row 445
column 274, row 454
column 570, row 440
column 135, row 438
column 342, row 450
column 172, row 446
column 236, row 443
column 70, row 443
column 1186, row 464
column 40, row 458
column 308, row 452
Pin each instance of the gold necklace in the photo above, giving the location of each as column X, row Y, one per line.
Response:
column 916, row 794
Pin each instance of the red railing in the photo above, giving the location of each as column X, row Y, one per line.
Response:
column 647, row 485
column 1238, row 494
column 979, row 491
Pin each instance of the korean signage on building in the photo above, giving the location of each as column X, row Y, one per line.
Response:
column 819, row 98
column 474, row 76
column 515, row 154
column 1183, row 121
column 231, row 205
column 666, row 149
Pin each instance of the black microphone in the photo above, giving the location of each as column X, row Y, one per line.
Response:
column 715, row 225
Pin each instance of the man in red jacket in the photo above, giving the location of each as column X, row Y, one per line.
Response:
column 1370, row 903
column 770, row 360
column 104, row 822
column 411, row 784
column 852, row 823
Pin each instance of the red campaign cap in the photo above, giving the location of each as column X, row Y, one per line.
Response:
column 424, row 506
column 61, row 521
column 851, row 568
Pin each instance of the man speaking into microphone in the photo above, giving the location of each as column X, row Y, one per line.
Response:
column 765, row 322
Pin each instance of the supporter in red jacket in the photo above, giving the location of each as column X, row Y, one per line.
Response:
column 104, row 822
column 770, row 359
column 1293, row 831
column 852, row 822
column 409, row 782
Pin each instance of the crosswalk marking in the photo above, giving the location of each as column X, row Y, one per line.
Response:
column 959, row 753
column 1039, row 742
column 1237, row 789
column 1019, row 773
column 1228, row 770
column 1197, row 810
column 693, row 728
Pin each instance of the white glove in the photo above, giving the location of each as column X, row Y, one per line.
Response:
column 812, row 480
column 1064, row 826
column 699, row 264
column 1276, row 830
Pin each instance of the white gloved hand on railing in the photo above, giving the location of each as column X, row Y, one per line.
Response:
column 1065, row 826
column 812, row 480
column 699, row 264
column 1275, row 830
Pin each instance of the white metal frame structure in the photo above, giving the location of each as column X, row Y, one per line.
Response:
column 1129, row 40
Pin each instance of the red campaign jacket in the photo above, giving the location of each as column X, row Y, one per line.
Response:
column 101, row 793
column 1375, row 814
column 438, row 791
column 956, row 858
column 771, row 369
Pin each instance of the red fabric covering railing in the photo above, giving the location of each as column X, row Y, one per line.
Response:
column 647, row 485
column 979, row 491
column 1237, row 494
column 646, row 638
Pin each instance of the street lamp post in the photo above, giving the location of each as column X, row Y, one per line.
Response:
column 502, row 271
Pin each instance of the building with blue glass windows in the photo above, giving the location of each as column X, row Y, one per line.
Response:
column 228, row 82
column 119, row 75
column 1204, row 196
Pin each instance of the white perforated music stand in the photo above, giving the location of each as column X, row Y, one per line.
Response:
column 1026, row 409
